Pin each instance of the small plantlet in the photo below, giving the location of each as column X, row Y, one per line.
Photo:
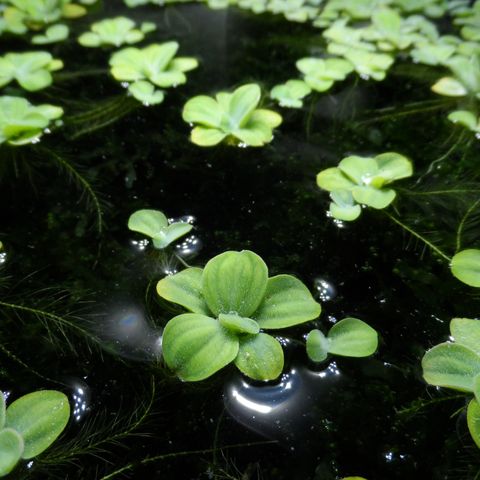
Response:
column 231, row 116
column 456, row 365
column 349, row 337
column 231, row 301
column 22, row 123
column 55, row 33
column 363, row 181
column 321, row 74
column 115, row 32
column 291, row 93
column 30, row 425
column 150, row 67
column 155, row 224
column 32, row 70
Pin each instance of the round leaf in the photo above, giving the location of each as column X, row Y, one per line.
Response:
column 352, row 337
column 473, row 420
column 236, row 324
column 39, row 417
column 466, row 267
column 393, row 166
column 196, row 346
column 148, row 222
column 260, row 357
column 332, row 179
column 184, row 288
column 206, row 137
column 11, row 449
column 317, row 346
column 287, row 302
column 203, row 110
column 171, row 233
column 451, row 365
column 234, row 282
column 374, row 197
column 466, row 332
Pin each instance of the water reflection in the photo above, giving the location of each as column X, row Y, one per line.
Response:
column 128, row 334
column 80, row 399
column 189, row 247
column 325, row 290
column 287, row 410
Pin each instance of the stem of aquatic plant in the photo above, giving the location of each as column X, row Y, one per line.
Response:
column 148, row 460
column 418, row 236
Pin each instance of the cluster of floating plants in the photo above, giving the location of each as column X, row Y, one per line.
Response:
column 235, row 312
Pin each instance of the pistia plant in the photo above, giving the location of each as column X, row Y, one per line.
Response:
column 32, row 70
column 30, row 425
column 155, row 224
column 115, row 32
column 456, row 364
column 233, row 117
column 363, row 181
column 291, row 93
column 150, row 67
column 320, row 74
column 231, row 301
column 22, row 123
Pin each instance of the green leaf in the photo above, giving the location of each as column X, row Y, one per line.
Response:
column 149, row 222
column 234, row 282
column 206, row 137
column 146, row 93
column 332, row 179
column 473, row 420
column 171, row 233
column 196, row 346
column 260, row 357
column 466, row 332
column 2, row 410
column 352, row 337
column 39, row 417
column 373, row 197
column 317, row 346
column 393, row 166
column 11, row 450
column 53, row 34
column 291, row 93
column 204, row 111
column 287, row 302
column 466, row 119
column 449, row 87
column 343, row 206
column 476, row 387
column 236, row 324
column 466, row 267
column 184, row 288
column 451, row 365
column 242, row 104
column 360, row 170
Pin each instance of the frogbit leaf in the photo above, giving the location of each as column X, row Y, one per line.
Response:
column 317, row 346
column 234, row 282
column 352, row 337
column 465, row 266
column 287, row 302
column 260, row 357
column 237, row 324
column 11, row 450
column 466, row 332
column 185, row 289
column 473, row 420
column 39, row 417
column 196, row 346
column 451, row 365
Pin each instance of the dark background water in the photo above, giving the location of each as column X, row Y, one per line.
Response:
column 372, row 417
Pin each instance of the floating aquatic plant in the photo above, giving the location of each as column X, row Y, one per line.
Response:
column 115, row 32
column 291, row 93
column 55, row 33
column 30, row 425
column 466, row 266
column 155, row 224
column 22, row 122
column 456, row 365
column 349, row 337
column 231, row 116
column 154, row 65
column 32, row 70
column 321, row 74
column 231, row 300
column 363, row 181
column 466, row 79
column 466, row 119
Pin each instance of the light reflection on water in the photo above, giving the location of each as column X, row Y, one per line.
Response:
column 287, row 410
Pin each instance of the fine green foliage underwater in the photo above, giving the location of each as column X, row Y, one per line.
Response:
column 232, row 300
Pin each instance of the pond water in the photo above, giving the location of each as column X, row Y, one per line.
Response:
column 68, row 253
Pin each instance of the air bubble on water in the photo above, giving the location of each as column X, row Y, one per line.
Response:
column 325, row 291
column 140, row 245
column 80, row 399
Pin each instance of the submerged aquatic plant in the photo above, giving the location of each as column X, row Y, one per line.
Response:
column 30, row 425
column 291, row 93
column 150, row 67
column 231, row 116
column 155, row 224
column 456, row 365
column 115, row 32
column 32, row 70
column 363, row 181
column 231, row 300
column 21, row 122
column 349, row 337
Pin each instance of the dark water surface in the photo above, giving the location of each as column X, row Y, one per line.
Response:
column 372, row 417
